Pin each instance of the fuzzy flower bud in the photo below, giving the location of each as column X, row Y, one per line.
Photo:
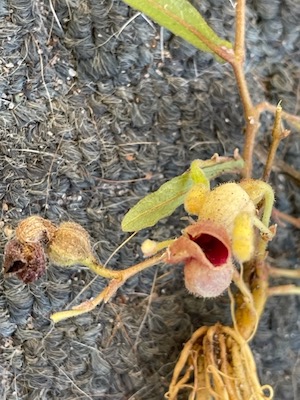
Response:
column 26, row 261
column 195, row 198
column 224, row 204
column 243, row 237
column 149, row 247
column 204, row 248
column 70, row 245
column 35, row 229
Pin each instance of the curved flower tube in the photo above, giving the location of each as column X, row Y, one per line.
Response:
column 205, row 250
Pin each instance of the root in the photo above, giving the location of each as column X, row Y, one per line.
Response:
column 217, row 364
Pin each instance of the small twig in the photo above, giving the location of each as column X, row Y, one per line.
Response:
column 72, row 381
column 283, row 290
column 250, row 112
column 55, row 15
column 118, row 326
column 118, row 279
column 40, row 52
column 287, row 169
column 278, row 165
column 284, row 272
column 146, row 312
column 277, row 135
column 239, row 45
column 287, row 218
column 117, row 34
column 294, row 120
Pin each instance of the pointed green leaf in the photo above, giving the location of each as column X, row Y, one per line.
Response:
column 181, row 18
column 162, row 203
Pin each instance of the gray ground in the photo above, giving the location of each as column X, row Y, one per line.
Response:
column 93, row 117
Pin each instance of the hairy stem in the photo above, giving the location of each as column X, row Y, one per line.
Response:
column 239, row 46
column 251, row 114
column 119, row 278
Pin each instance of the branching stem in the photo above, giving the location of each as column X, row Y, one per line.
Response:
column 292, row 119
column 250, row 112
column 118, row 279
column 277, row 135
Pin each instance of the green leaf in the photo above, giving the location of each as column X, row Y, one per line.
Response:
column 181, row 18
column 198, row 174
column 162, row 203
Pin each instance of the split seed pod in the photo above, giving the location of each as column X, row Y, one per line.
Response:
column 204, row 248
column 70, row 245
column 26, row 261
column 35, row 229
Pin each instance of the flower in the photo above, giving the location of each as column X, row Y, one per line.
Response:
column 205, row 250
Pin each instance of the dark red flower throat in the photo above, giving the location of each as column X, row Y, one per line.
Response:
column 215, row 251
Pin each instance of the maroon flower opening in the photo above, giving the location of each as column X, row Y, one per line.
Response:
column 215, row 250
column 204, row 246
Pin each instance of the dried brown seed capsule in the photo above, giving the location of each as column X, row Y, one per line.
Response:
column 35, row 229
column 26, row 261
column 70, row 245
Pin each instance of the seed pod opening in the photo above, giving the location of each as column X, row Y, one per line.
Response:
column 26, row 261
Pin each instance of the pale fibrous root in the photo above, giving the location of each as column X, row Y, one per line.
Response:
column 217, row 363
